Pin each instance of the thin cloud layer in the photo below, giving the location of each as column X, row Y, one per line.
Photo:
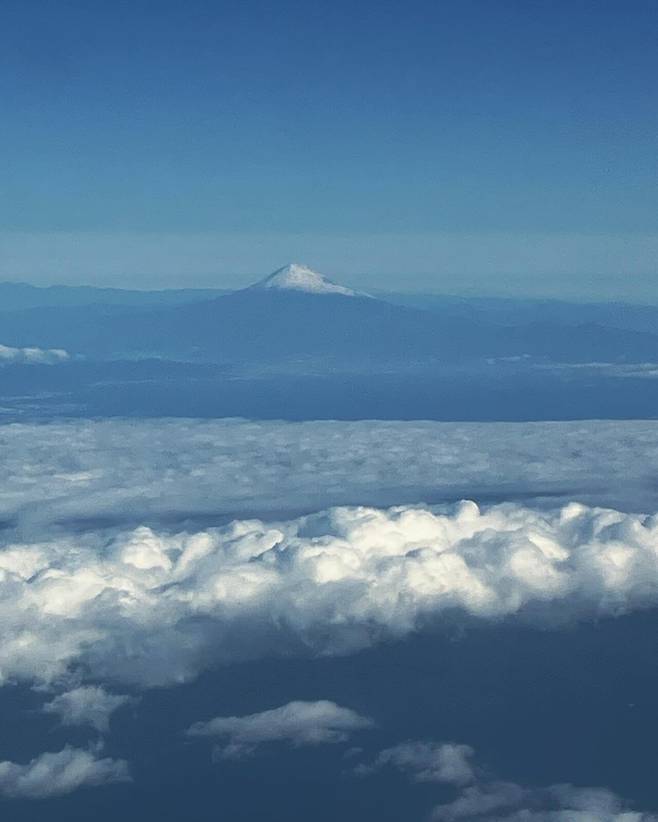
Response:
column 297, row 723
column 155, row 608
column 55, row 774
column 32, row 356
column 159, row 472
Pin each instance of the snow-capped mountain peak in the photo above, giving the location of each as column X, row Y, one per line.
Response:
column 296, row 277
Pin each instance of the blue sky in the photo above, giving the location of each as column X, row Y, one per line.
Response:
column 499, row 147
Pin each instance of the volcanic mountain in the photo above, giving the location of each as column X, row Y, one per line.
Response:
column 296, row 277
column 297, row 318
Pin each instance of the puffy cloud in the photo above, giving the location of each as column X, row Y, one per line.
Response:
column 426, row 762
column 32, row 356
column 160, row 472
column 54, row 774
column 87, row 705
column 154, row 608
column 495, row 801
column 299, row 723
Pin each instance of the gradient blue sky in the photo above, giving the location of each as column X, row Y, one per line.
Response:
column 471, row 145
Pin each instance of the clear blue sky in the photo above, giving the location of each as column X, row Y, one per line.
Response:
column 507, row 146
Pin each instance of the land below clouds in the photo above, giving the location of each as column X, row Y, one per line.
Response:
column 498, row 391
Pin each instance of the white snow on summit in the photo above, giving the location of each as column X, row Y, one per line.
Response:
column 296, row 277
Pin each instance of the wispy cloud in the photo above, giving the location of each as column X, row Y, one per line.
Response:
column 488, row 800
column 297, row 723
column 87, row 705
column 55, row 774
column 443, row 762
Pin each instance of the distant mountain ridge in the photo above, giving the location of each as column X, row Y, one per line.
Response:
column 296, row 316
column 502, row 311
column 21, row 296
column 525, row 311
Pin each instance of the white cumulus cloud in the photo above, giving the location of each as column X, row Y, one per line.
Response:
column 154, row 608
column 54, row 774
column 298, row 723
column 32, row 356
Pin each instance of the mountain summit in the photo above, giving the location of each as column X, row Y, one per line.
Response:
column 296, row 277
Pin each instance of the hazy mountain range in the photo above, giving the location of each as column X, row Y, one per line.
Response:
column 297, row 317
